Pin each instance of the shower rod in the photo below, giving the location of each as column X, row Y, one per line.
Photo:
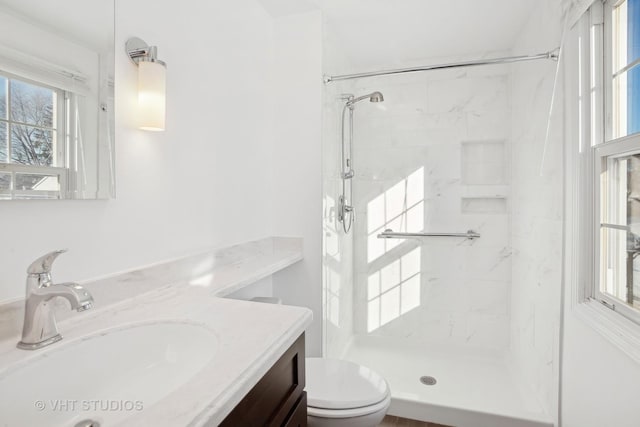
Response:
column 390, row 234
column 552, row 55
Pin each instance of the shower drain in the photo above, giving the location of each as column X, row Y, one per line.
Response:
column 427, row 380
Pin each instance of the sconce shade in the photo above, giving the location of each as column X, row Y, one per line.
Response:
column 152, row 77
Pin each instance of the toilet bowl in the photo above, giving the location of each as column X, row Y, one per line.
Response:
column 345, row 394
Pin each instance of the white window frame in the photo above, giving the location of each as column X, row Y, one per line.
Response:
column 589, row 123
column 604, row 145
column 63, row 130
column 605, row 152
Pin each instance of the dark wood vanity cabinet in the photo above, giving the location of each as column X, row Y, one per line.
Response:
column 278, row 400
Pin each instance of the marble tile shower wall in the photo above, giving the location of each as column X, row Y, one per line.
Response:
column 337, row 265
column 434, row 157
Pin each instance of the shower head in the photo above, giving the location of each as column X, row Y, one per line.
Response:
column 372, row 97
column 376, row 97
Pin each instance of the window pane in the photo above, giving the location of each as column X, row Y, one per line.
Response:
column 633, row 100
column 31, row 181
column 626, row 83
column 633, row 30
column 626, row 103
column 621, row 266
column 31, row 146
column 3, row 142
column 620, row 106
column 626, row 34
column 3, row 98
column 32, row 104
column 5, row 181
column 619, row 36
column 620, row 233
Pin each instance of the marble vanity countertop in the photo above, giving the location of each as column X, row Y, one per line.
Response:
column 219, row 271
column 250, row 336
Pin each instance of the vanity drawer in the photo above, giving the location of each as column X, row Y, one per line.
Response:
column 275, row 401
column 299, row 416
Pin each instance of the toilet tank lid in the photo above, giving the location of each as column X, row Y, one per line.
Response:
column 340, row 384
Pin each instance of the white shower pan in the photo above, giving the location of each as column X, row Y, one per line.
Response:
column 472, row 390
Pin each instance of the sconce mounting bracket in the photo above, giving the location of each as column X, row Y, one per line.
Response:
column 138, row 51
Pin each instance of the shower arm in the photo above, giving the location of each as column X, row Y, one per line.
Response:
column 358, row 99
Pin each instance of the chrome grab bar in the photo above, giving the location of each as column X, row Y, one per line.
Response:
column 390, row 234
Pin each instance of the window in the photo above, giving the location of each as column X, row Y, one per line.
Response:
column 624, row 18
column 619, row 281
column 32, row 138
column 615, row 138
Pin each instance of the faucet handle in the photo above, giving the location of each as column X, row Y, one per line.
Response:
column 43, row 264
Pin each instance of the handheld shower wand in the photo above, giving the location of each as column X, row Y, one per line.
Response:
column 345, row 210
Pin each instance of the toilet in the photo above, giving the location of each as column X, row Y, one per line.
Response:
column 345, row 394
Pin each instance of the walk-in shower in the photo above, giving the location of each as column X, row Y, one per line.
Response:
column 345, row 210
column 419, row 287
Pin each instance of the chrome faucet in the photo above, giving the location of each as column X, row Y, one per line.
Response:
column 40, row 329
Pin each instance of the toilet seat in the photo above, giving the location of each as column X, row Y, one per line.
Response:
column 339, row 386
column 349, row 413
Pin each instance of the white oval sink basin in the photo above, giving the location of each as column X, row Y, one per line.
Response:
column 105, row 377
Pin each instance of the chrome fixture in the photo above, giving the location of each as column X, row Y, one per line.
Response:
column 390, row 234
column 345, row 210
column 552, row 55
column 372, row 97
column 428, row 380
column 152, row 76
column 40, row 329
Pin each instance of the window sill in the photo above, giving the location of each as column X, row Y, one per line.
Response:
column 620, row 331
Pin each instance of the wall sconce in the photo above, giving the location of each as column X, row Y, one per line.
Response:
column 152, row 75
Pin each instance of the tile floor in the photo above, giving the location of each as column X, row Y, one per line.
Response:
column 390, row 421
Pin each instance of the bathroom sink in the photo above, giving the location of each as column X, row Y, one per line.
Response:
column 105, row 377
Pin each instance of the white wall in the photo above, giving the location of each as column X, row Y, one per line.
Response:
column 204, row 182
column 600, row 383
column 537, row 216
column 296, row 159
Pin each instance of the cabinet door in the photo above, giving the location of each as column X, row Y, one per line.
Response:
column 272, row 401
